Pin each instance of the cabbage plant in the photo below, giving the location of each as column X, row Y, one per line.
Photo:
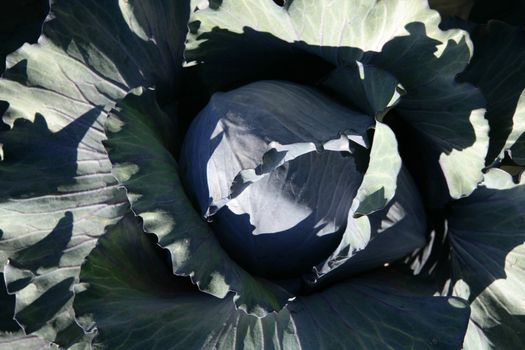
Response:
column 259, row 174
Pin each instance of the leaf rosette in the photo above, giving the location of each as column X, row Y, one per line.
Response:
column 263, row 194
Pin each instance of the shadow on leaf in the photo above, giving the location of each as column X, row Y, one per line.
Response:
column 228, row 60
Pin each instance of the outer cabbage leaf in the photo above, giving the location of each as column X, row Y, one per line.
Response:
column 148, row 171
column 487, row 235
column 18, row 24
column 400, row 37
column 11, row 335
column 54, row 204
column 20, row 341
column 381, row 237
column 387, row 195
column 374, row 92
column 380, row 180
column 445, row 117
column 129, row 292
column 498, row 69
column 431, row 265
column 57, row 191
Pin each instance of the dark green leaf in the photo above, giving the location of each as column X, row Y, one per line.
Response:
column 230, row 41
column 487, row 235
column 129, row 293
column 143, row 164
column 57, row 192
column 498, row 68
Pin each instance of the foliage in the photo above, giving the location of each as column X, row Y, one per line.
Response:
column 259, row 174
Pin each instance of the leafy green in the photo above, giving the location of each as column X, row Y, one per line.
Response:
column 447, row 115
column 130, row 294
column 57, row 191
column 20, row 341
column 144, row 166
column 487, row 234
column 498, row 68
column 357, row 123
column 374, row 92
column 296, row 179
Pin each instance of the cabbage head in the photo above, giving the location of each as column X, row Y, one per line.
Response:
column 259, row 174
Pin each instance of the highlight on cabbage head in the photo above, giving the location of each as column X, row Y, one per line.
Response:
column 262, row 174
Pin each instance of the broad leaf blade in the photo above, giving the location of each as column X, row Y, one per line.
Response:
column 19, row 341
column 487, row 233
column 425, row 59
column 380, row 179
column 375, row 239
column 54, row 205
column 144, row 166
column 372, row 90
column 57, row 191
column 498, row 69
column 129, row 292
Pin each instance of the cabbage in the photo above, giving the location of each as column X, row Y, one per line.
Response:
column 274, row 167
column 257, row 174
